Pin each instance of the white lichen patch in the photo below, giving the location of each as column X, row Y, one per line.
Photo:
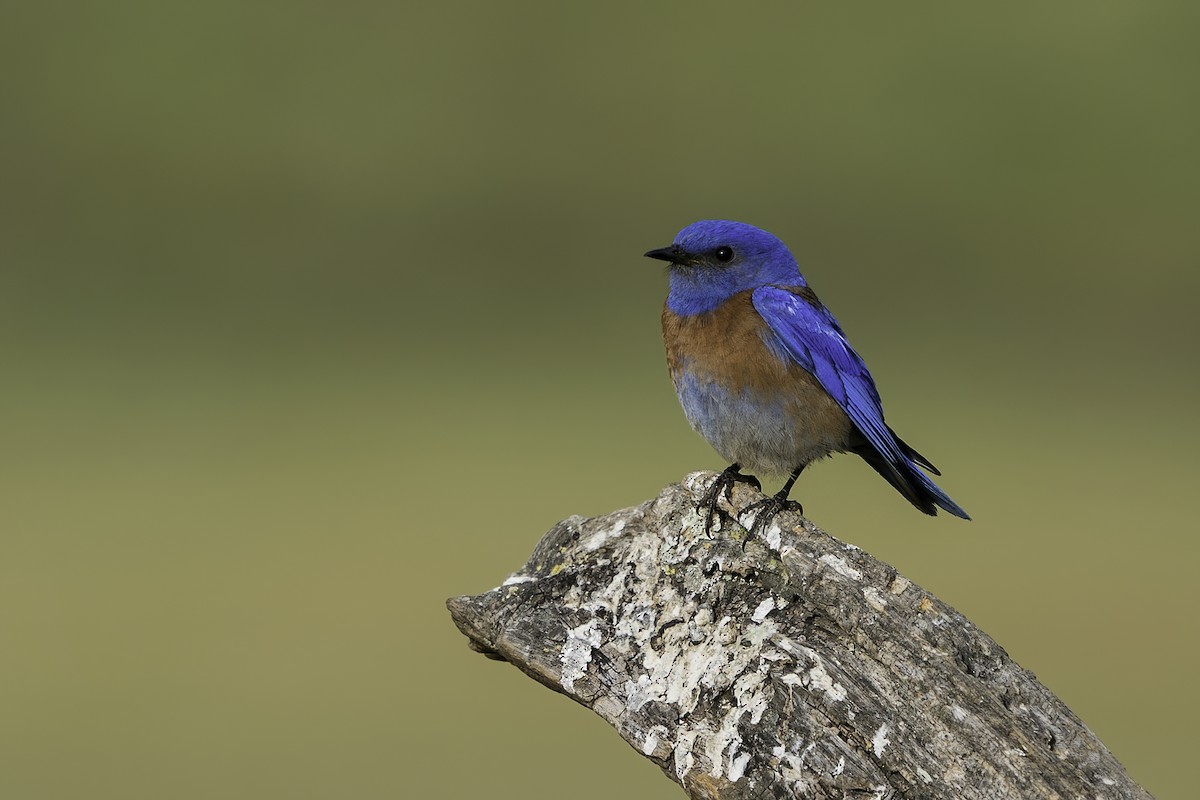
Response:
column 816, row 677
column 820, row 680
column 640, row 692
column 840, row 566
column 722, row 747
column 657, row 742
column 699, row 656
column 959, row 713
column 577, row 652
column 634, row 627
column 773, row 537
column 791, row 764
column 737, row 767
column 698, row 483
column 513, row 580
column 749, row 691
column 764, row 608
column 685, row 758
column 603, row 536
column 880, row 741
column 773, row 532
column 609, row 598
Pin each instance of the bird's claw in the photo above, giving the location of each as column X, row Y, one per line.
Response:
column 723, row 485
column 766, row 510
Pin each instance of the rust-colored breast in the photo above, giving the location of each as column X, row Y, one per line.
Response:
column 726, row 346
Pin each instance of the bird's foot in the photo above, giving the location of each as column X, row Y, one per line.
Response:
column 766, row 510
column 723, row 485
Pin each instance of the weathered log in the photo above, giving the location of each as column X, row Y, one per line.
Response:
column 781, row 665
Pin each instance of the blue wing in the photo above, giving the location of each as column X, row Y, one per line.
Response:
column 808, row 333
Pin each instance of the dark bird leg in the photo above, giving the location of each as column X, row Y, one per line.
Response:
column 724, row 485
column 767, row 509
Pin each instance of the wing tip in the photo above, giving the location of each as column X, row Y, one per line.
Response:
column 953, row 508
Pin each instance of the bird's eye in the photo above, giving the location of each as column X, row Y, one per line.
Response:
column 724, row 253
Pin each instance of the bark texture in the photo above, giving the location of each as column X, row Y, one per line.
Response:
column 781, row 665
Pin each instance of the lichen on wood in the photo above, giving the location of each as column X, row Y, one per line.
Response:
column 785, row 664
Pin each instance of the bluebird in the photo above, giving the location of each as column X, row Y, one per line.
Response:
column 765, row 373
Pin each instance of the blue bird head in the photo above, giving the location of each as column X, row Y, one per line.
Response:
column 714, row 259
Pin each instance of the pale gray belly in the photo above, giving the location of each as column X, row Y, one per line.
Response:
column 767, row 434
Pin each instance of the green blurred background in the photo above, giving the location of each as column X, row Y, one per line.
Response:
column 314, row 314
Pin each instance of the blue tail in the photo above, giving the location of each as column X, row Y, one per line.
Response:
column 934, row 492
column 908, row 479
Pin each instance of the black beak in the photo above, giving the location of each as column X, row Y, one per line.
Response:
column 674, row 254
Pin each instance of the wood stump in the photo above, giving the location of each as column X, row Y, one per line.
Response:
column 785, row 664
